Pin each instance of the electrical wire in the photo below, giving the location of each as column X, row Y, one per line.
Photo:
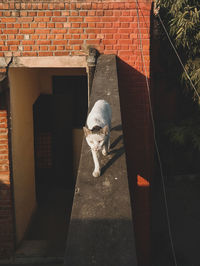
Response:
column 155, row 141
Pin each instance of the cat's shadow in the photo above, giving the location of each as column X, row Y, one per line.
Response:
column 115, row 153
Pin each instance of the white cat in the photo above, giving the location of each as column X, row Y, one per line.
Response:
column 98, row 132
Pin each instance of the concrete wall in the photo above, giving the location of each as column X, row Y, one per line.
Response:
column 26, row 85
column 24, row 90
column 77, row 141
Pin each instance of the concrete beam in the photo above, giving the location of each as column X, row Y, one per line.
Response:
column 50, row 62
column 101, row 227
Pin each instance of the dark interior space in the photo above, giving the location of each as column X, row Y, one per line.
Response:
column 55, row 118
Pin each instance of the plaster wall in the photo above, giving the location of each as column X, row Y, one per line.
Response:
column 26, row 84
column 24, row 90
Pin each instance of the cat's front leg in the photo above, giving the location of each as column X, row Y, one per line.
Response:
column 97, row 171
column 106, row 147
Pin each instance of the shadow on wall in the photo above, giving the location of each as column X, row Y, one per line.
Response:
column 139, row 149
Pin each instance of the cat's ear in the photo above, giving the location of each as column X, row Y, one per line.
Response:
column 105, row 130
column 86, row 131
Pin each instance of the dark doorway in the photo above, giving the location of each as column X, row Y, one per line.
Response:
column 70, row 110
column 56, row 117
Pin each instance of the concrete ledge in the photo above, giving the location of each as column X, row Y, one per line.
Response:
column 101, row 226
column 50, row 62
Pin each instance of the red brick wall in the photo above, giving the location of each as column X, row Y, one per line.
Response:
column 59, row 28
column 52, row 28
column 6, row 208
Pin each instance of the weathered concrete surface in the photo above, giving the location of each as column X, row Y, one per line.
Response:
column 101, row 227
column 48, row 61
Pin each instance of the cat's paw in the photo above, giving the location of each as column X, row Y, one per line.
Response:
column 96, row 173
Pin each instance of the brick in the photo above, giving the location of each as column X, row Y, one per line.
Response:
column 43, row 53
column 41, row 19
column 99, row 25
column 29, row 53
column 43, row 48
column 60, row 47
column 50, row 25
column 59, row 25
column 5, row 48
column 92, row 25
column 92, row 36
column 10, row 25
column 6, row 14
column 127, row 30
column 125, row 41
column 42, row 31
column 109, row 31
column 73, row 31
column 125, row 19
column 108, row 25
column 59, row 19
column 76, row 36
column 109, row 19
column 8, row 19
column 93, row 42
column 75, row 19
column 42, row 25
column 52, row 48
column 58, row 31
column 96, row 31
column 65, row 13
column 42, row 36
column 13, row 42
column 34, row 37
column 92, row 19
column 27, row 48
column 108, row 47
column 83, row 13
column 109, row 42
column 34, row 25
column 26, row 31
column 13, row 48
column 59, row 36
column 100, row 13
column 57, row 13
column 26, row 25
column 49, row 13
column 60, row 42
column 43, row 42
column 84, row 25
column 75, row 41
column 32, row 14
column 108, row 13
column 63, row 53
column 125, row 53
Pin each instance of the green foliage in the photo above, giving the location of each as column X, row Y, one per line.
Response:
column 182, row 18
column 181, row 139
column 193, row 67
column 185, row 133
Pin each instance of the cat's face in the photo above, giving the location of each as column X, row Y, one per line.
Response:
column 97, row 140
